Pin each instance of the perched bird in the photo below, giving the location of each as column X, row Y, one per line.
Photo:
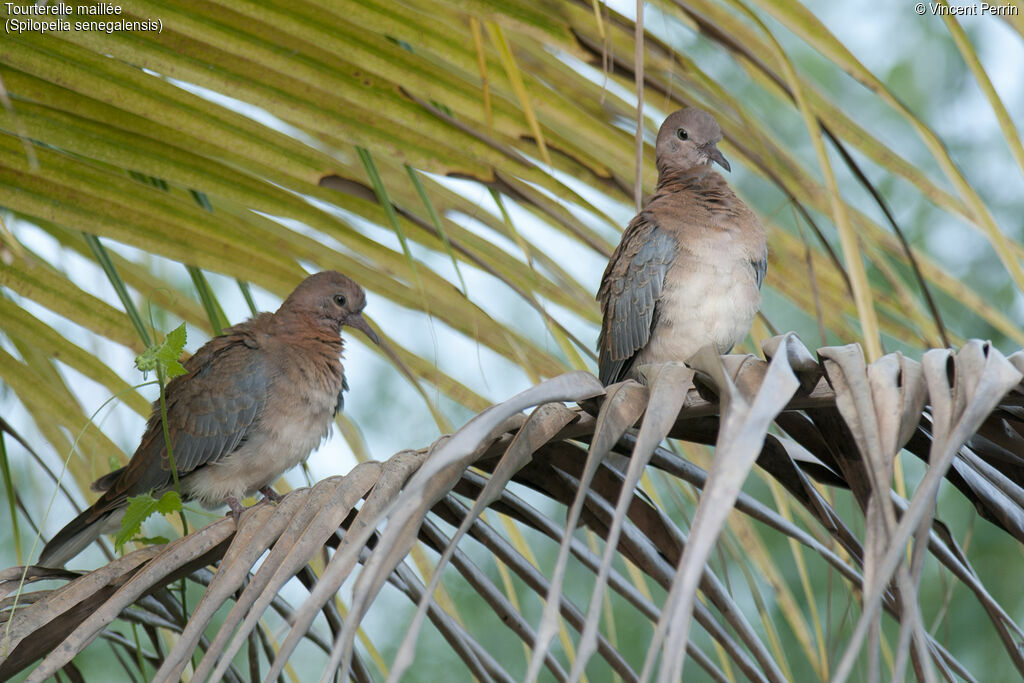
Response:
column 689, row 268
column 254, row 402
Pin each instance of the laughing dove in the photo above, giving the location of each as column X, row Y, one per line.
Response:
column 254, row 403
column 689, row 268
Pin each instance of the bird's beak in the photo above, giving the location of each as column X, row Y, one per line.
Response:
column 357, row 321
column 711, row 152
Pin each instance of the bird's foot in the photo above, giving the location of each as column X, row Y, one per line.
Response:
column 235, row 507
column 270, row 494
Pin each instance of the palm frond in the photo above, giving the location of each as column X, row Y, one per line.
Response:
column 840, row 419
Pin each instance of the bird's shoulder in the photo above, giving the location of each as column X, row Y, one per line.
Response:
column 238, row 344
column 643, row 244
column 225, row 387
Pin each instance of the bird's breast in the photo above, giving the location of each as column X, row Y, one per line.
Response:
column 703, row 302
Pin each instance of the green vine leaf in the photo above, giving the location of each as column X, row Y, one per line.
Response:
column 165, row 355
column 141, row 508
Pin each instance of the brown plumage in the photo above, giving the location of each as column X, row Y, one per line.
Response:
column 689, row 268
column 254, row 403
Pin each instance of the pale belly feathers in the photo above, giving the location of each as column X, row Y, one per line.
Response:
column 705, row 301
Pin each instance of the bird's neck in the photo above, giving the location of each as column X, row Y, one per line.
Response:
column 673, row 176
column 706, row 186
column 309, row 330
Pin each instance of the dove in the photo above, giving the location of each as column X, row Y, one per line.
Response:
column 254, row 402
column 688, row 270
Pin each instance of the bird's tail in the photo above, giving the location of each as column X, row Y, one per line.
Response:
column 79, row 533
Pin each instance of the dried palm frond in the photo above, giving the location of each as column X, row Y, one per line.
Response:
column 838, row 419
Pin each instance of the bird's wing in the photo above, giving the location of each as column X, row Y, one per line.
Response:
column 761, row 267
column 210, row 412
column 216, row 406
column 629, row 293
column 340, row 405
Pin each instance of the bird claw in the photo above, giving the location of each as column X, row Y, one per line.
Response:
column 235, row 507
column 270, row 494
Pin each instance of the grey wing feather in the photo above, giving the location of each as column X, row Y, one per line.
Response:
column 340, row 405
column 209, row 415
column 761, row 268
column 629, row 294
column 216, row 424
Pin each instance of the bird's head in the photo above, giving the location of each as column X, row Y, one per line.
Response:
column 688, row 139
column 333, row 300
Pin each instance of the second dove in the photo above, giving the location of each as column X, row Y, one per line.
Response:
column 689, row 268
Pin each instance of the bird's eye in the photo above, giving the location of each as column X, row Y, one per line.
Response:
column 340, row 299
column 682, row 134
